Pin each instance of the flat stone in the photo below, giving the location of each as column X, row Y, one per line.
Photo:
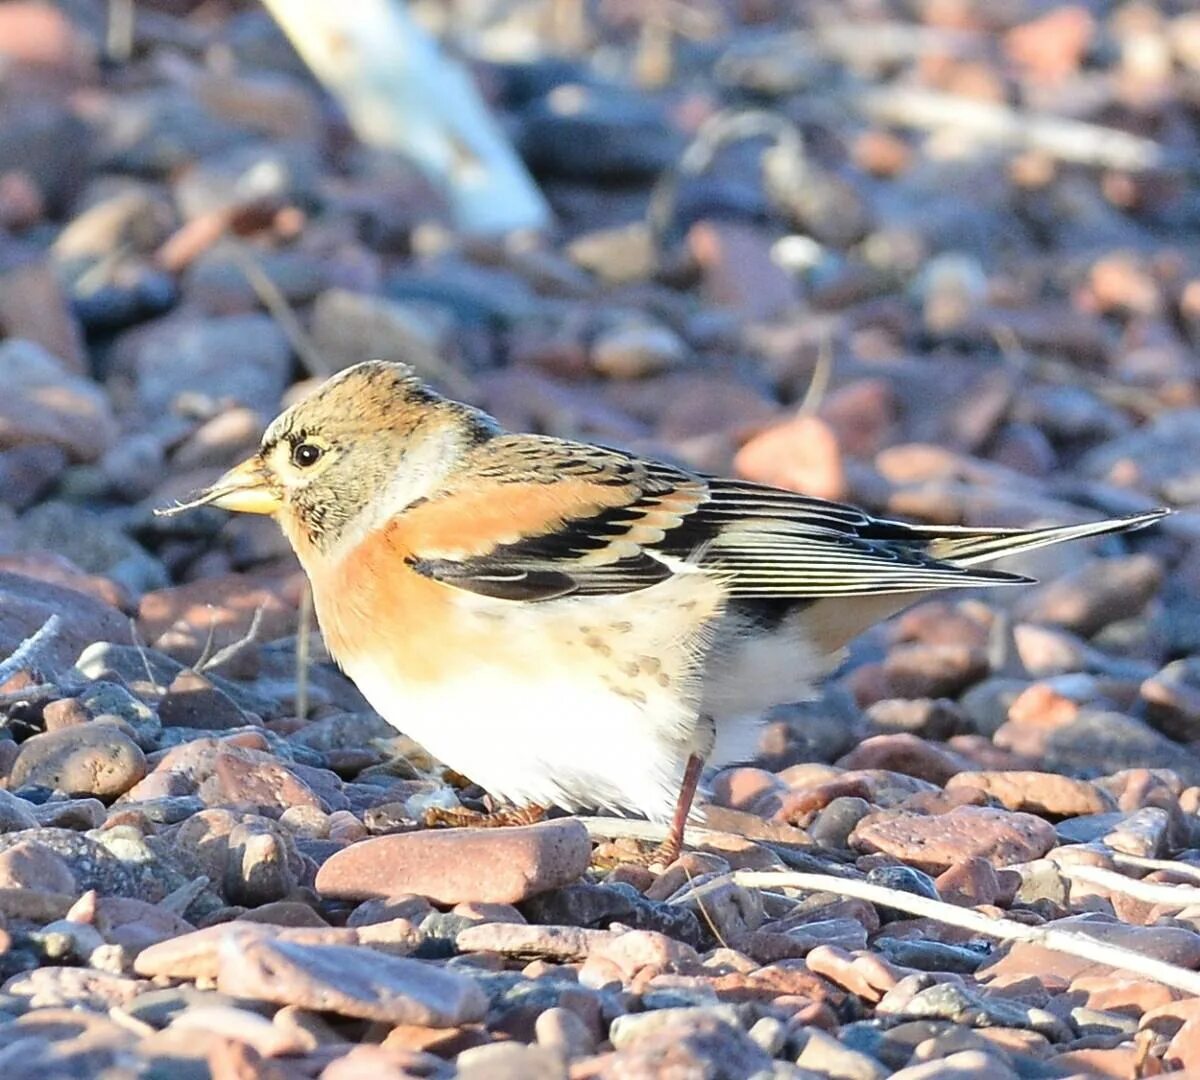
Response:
column 1042, row 793
column 449, row 866
column 561, row 943
column 935, row 843
column 350, row 981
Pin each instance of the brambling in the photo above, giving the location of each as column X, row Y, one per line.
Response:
column 567, row 624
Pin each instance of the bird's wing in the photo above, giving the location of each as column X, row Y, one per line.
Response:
column 538, row 518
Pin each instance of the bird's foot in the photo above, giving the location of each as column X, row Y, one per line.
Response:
column 460, row 817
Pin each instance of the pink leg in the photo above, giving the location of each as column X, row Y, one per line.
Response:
column 669, row 850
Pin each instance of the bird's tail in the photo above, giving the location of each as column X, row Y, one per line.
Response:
column 965, row 546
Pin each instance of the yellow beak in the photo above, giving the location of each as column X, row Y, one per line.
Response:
column 245, row 488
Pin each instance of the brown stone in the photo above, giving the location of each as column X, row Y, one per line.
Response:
column 936, row 843
column 800, row 454
column 93, row 759
column 516, row 939
column 1046, row 794
column 180, row 620
column 350, row 981
column 932, row 671
column 904, row 753
column 504, row 865
column 44, row 402
column 33, row 866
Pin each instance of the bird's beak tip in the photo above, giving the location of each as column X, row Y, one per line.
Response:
column 243, row 489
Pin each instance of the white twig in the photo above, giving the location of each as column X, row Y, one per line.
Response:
column 250, row 637
column 1064, row 941
column 402, row 93
column 1152, row 892
column 1065, row 139
column 28, row 652
column 1144, row 862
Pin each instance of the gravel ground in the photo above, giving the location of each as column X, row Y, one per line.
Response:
column 207, row 869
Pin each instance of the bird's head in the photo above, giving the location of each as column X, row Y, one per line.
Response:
column 370, row 441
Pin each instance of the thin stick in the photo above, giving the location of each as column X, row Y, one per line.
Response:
column 250, row 637
column 1153, row 892
column 28, row 652
column 1065, row 139
column 281, row 311
column 1144, row 862
column 1064, row 941
column 303, row 651
column 822, row 372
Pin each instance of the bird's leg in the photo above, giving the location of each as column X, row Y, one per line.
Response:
column 460, row 817
column 668, row 851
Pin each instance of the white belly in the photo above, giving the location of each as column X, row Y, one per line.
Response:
column 561, row 741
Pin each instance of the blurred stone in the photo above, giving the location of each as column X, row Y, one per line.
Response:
column 592, row 133
column 633, row 350
column 26, row 604
column 349, row 327
column 1042, row 793
column 931, row 671
column 240, row 358
column 34, row 308
column 1097, row 593
column 801, row 454
column 44, row 403
column 738, row 270
column 180, row 620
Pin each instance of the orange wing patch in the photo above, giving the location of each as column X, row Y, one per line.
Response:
column 473, row 523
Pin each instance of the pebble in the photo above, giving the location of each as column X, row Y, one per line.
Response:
column 503, row 866
column 46, row 403
column 95, row 759
column 937, row 843
column 1042, row 793
column 348, row 981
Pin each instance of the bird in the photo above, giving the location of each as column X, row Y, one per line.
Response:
column 571, row 625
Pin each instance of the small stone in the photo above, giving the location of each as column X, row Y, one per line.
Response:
column 1042, row 793
column 259, row 868
column 801, row 454
column 932, row 671
column 504, row 866
column 1096, row 594
column 907, row 754
column 635, row 350
column 937, row 843
column 562, row 1031
column 824, row 1055
column 509, row 1061
column 44, row 403
column 30, row 865
column 976, row 881
column 1142, row 833
column 563, row 943
column 15, row 813
column 192, row 701
column 97, row 759
column 349, row 981
column 246, row 356
column 182, row 619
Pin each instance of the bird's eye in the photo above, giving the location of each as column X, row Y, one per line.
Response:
column 305, row 454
